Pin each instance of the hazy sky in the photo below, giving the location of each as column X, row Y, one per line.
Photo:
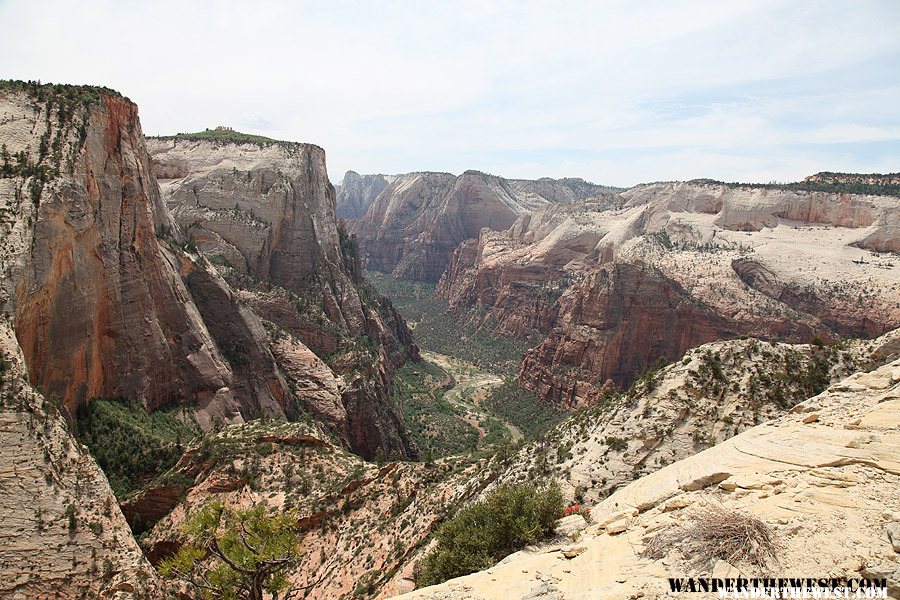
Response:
column 614, row 92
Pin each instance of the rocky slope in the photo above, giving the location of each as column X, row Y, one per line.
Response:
column 415, row 224
column 356, row 193
column 616, row 283
column 363, row 523
column 827, row 470
column 264, row 213
column 61, row 532
column 97, row 306
column 716, row 391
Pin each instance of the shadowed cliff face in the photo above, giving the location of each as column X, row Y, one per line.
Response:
column 618, row 282
column 265, row 214
column 98, row 308
column 356, row 193
column 414, row 226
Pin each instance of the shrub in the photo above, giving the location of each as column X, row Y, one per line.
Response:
column 508, row 519
column 616, row 443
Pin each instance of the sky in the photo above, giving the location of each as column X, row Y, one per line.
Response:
column 615, row 92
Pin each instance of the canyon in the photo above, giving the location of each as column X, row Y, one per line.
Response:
column 621, row 282
column 277, row 341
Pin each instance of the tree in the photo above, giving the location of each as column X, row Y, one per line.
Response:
column 236, row 554
column 507, row 519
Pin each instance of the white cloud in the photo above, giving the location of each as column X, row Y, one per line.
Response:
column 613, row 91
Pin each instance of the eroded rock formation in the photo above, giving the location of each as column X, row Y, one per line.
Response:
column 264, row 213
column 620, row 281
column 420, row 218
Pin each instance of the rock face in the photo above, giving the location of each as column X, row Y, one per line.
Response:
column 61, row 531
column 356, row 193
column 612, row 325
column 420, row 218
column 620, row 281
column 807, row 481
column 264, row 214
column 98, row 308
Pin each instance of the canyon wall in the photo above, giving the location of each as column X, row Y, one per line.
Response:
column 98, row 308
column 417, row 222
column 77, row 318
column 264, row 214
column 618, row 282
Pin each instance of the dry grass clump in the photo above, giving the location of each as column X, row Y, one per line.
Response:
column 716, row 533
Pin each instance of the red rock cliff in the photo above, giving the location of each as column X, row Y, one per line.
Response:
column 98, row 309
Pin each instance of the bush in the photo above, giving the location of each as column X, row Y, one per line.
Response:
column 508, row 519
column 616, row 443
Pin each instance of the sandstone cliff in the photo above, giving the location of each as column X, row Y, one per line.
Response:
column 618, row 282
column 826, row 470
column 62, row 534
column 356, row 193
column 414, row 226
column 78, row 220
column 264, row 213
column 98, row 308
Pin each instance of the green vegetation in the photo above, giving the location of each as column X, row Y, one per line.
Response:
column 223, row 134
column 131, row 445
column 72, row 94
column 508, row 519
column 521, row 407
column 236, row 554
column 437, row 329
column 834, row 187
column 435, row 425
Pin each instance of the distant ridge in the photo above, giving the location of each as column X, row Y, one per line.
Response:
column 876, row 184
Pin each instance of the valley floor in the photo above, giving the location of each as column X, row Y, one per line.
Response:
column 472, row 387
column 464, row 394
